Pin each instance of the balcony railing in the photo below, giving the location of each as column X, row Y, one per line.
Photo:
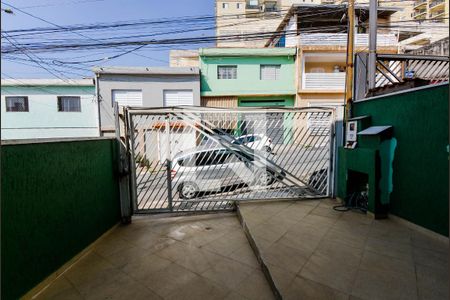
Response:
column 419, row 12
column 419, row 3
column 324, row 81
column 437, row 14
column 340, row 39
column 435, row 3
column 395, row 69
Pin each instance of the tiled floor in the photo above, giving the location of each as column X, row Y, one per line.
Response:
column 311, row 251
column 315, row 252
column 192, row 257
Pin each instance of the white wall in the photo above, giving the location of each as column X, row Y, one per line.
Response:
column 292, row 39
column 43, row 119
column 152, row 87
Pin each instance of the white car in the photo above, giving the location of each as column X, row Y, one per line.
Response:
column 255, row 142
column 211, row 169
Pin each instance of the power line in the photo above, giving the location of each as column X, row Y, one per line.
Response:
column 173, row 41
column 252, row 36
column 51, row 23
column 30, row 57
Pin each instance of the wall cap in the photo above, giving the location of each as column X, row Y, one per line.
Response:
column 52, row 140
column 431, row 86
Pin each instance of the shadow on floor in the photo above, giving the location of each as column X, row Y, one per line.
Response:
column 192, row 257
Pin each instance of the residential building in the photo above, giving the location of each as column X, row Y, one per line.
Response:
column 48, row 108
column 404, row 9
column 252, row 22
column 321, row 56
column 435, row 10
column 440, row 47
column 242, row 77
column 184, row 58
column 244, row 18
column 146, row 87
column 430, row 25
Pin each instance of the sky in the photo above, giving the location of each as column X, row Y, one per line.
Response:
column 70, row 12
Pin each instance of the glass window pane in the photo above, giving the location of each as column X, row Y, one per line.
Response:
column 270, row 72
column 16, row 104
column 227, row 72
column 69, row 104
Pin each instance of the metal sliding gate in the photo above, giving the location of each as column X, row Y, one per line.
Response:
column 204, row 159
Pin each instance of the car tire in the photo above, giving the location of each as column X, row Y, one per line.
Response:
column 265, row 178
column 188, row 190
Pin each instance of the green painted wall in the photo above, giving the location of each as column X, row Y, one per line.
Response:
column 359, row 160
column 248, row 80
column 57, row 198
column 420, row 179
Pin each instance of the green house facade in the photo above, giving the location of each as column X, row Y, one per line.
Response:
column 242, row 77
column 263, row 77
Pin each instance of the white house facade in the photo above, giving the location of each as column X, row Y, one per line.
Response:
column 48, row 108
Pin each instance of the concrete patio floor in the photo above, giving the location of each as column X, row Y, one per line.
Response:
column 315, row 252
column 310, row 252
column 191, row 257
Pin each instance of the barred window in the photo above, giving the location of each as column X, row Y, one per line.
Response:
column 319, row 123
column 17, row 104
column 227, row 72
column 270, row 72
column 69, row 104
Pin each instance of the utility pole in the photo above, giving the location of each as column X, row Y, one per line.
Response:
column 372, row 64
column 350, row 55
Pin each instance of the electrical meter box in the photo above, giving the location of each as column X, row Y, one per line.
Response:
column 367, row 165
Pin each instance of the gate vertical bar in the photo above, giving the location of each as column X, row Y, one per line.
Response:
column 132, row 162
column 168, row 164
column 169, row 185
column 123, row 168
column 330, row 177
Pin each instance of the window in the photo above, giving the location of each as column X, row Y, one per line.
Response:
column 16, row 104
column 270, row 72
column 238, row 5
column 127, row 97
column 69, row 104
column 178, row 97
column 209, row 158
column 225, row 5
column 319, row 122
column 227, row 72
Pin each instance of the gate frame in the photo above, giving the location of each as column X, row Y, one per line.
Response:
column 130, row 142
